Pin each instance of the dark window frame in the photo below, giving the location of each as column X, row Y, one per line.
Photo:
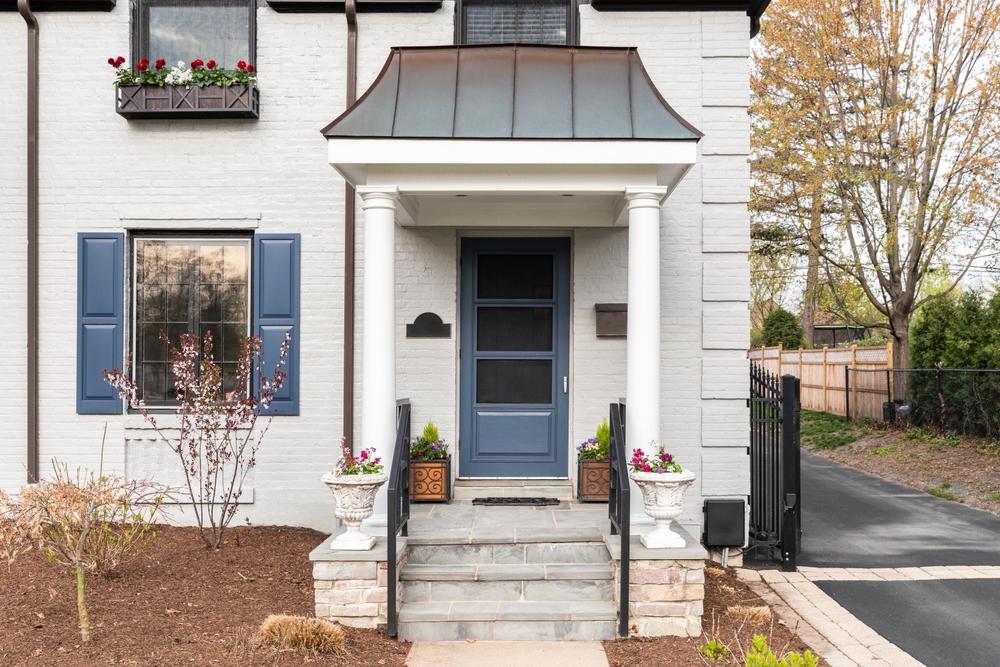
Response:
column 572, row 22
column 139, row 30
column 132, row 314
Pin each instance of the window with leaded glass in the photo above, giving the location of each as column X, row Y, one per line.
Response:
column 186, row 285
column 517, row 21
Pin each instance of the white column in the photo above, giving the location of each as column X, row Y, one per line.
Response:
column 378, row 333
column 642, row 365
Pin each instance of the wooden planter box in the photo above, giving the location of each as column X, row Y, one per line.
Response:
column 430, row 481
column 137, row 101
column 593, row 480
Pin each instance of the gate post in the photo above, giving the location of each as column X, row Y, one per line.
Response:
column 791, row 530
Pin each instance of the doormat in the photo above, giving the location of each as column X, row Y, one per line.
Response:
column 516, row 501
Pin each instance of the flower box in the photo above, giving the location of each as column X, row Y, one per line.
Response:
column 430, row 481
column 139, row 101
column 593, row 480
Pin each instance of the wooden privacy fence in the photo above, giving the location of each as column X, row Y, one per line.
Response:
column 823, row 377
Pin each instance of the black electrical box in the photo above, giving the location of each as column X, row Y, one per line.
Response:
column 724, row 525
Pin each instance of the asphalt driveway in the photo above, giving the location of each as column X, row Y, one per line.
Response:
column 852, row 519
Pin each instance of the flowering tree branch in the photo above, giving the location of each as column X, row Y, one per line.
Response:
column 217, row 442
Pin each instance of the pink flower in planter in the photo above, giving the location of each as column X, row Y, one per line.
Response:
column 210, row 64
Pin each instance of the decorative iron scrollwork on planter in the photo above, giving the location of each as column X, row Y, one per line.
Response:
column 593, row 480
column 137, row 101
column 430, row 480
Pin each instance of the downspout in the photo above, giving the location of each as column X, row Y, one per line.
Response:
column 24, row 8
column 350, row 11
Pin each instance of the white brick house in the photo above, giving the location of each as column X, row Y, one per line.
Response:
column 142, row 184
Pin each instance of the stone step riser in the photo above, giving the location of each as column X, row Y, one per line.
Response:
column 507, row 554
column 508, row 631
column 508, row 591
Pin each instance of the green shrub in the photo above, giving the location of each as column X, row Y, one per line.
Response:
column 761, row 656
column 714, row 650
column 780, row 326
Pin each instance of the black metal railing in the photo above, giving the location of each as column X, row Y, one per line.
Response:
column 619, row 505
column 775, row 479
column 398, row 501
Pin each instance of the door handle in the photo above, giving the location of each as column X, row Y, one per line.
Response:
column 565, row 384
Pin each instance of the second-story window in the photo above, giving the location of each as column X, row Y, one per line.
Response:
column 520, row 21
column 183, row 30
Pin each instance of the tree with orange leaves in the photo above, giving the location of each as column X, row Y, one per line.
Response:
column 877, row 136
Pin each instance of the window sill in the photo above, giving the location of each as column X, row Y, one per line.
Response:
column 137, row 101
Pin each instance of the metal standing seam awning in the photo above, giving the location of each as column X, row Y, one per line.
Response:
column 511, row 124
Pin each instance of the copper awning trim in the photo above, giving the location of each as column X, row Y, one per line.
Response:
column 516, row 92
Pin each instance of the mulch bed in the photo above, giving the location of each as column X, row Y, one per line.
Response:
column 722, row 591
column 177, row 603
column 966, row 470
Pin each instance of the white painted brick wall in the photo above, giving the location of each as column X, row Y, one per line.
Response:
column 97, row 167
column 699, row 64
column 600, row 275
column 13, row 255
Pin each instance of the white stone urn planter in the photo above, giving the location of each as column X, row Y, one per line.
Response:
column 662, row 494
column 355, row 498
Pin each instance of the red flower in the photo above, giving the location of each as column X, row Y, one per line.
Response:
column 111, row 61
column 250, row 69
column 119, row 61
column 241, row 64
column 210, row 64
column 142, row 66
column 160, row 63
column 197, row 62
column 364, row 454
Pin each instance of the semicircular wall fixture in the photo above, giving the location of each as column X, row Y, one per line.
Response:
column 428, row 325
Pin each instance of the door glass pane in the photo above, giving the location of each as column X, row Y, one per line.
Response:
column 514, row 381
column 515, row 277
column 520, row 21
column 514, row 329
column 182, row 30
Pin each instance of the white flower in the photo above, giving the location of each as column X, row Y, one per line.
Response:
column 178, row 75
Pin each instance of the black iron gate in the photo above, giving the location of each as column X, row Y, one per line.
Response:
column 775, row 487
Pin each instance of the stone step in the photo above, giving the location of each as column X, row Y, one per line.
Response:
column 538, row 590
column 532, row 553
column 487, row 532
column 470, row 489
column 507, row 620
column 533, row 572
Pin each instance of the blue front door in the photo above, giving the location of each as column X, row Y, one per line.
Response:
column 514, row 358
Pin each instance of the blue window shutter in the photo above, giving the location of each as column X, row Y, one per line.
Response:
column 99, row 329
column 276, row 310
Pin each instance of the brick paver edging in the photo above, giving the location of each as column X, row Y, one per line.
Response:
column 829, row 629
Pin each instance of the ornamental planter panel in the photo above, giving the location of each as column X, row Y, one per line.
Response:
column 137, row 101
column 430, row 481
column 593, row 480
